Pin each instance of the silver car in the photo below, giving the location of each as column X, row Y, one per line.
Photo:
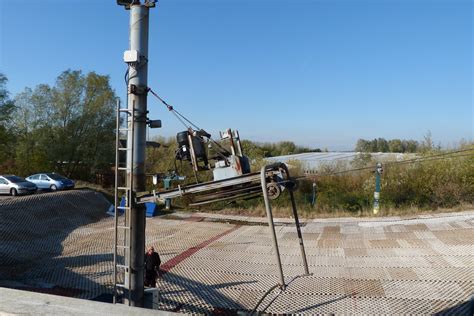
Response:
column 15, row 185
column 51, row 181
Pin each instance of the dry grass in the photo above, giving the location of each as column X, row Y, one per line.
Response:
column 283, row 212
column 107, row 192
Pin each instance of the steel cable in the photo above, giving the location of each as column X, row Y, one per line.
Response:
column 181, row 117
column 414, row 160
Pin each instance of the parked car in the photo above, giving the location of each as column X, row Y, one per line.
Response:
column 51, row 181
column 14, row 185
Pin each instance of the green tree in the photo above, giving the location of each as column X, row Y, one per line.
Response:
column 362, row 146
column 392, row 145
column 373, row 145
column 252, row 150
column 410, row 146
column 285, row 148
column 69, row 127
column 395, row 146
column 382, row 145
column 6, row 134
column 427, row 143
column 363, row 159
column 24, row 125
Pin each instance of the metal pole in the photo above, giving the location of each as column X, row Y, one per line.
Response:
column 137, row 102
column 298, row 229
column 297, row 222
column 378, row 172
column 313, row 198
column 270, row 225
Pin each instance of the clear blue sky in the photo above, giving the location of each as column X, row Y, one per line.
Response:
column 319, row 73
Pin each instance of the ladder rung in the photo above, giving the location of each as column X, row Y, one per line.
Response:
column 122, row 266
column 121, row 285
column 124, row 129
column 125, row 149
column 123, row 227
column 123, row 247
column 123, row 207
column 124, row 110
column 123, row 169
column 123, row 188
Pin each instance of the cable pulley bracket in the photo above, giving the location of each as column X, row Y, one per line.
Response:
column 137, row 89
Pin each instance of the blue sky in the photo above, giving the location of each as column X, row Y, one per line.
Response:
column 319, row 73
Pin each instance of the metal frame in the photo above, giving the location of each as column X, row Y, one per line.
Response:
column 248, row 185
column 204, row 187
column 268, row 208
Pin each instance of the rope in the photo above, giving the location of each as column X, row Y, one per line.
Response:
column 182, row 118
column 414, row 160
column 429, row 157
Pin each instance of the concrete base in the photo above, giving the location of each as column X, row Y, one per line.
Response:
column 16, row 302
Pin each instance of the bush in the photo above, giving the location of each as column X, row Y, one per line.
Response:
column 442, row 183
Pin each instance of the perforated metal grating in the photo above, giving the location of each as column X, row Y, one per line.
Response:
column 386, row 266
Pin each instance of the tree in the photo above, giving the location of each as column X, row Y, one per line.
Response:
column 382, row 145
column 374, row 145
column 392, row 145
column 6, row 105
column 395, row 146
column 252, row 150
column 410, row 146
column 69, row 127
column 363, row 159
column 6, row 134
column 427, row 143
column 362, row 146
column 286, row 148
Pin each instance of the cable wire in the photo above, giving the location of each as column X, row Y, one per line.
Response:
column 182, row 118
column 414, row 160
column 428, row 157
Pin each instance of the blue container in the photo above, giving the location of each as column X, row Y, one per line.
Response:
column 151, row 209
column 111, row 209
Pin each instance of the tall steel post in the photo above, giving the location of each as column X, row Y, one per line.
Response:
column 378, row 172
column 268, row 208
column 137, row 102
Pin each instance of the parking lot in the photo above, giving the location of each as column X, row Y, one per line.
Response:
column 420, row 265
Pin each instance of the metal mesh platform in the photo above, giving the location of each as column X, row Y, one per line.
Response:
column 358, row 268
column 366, row 266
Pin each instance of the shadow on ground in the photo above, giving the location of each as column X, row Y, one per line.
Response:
column 466, row 308
column 32, row 230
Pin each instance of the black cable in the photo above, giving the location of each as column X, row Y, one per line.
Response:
column 335, row 155
column 169, row 107
column 428, row 157
column 126, row 77
column 191, row 123
column 420, row 159
column 346, row 157
column 181, row 117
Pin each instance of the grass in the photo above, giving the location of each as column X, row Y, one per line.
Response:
column 432, row 186
column 304, row 211
column 310, row 213
column 107, row 192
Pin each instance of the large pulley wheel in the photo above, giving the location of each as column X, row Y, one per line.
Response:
column 273, row 190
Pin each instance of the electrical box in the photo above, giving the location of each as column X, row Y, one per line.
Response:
column 154, row 123
column 131, row 56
